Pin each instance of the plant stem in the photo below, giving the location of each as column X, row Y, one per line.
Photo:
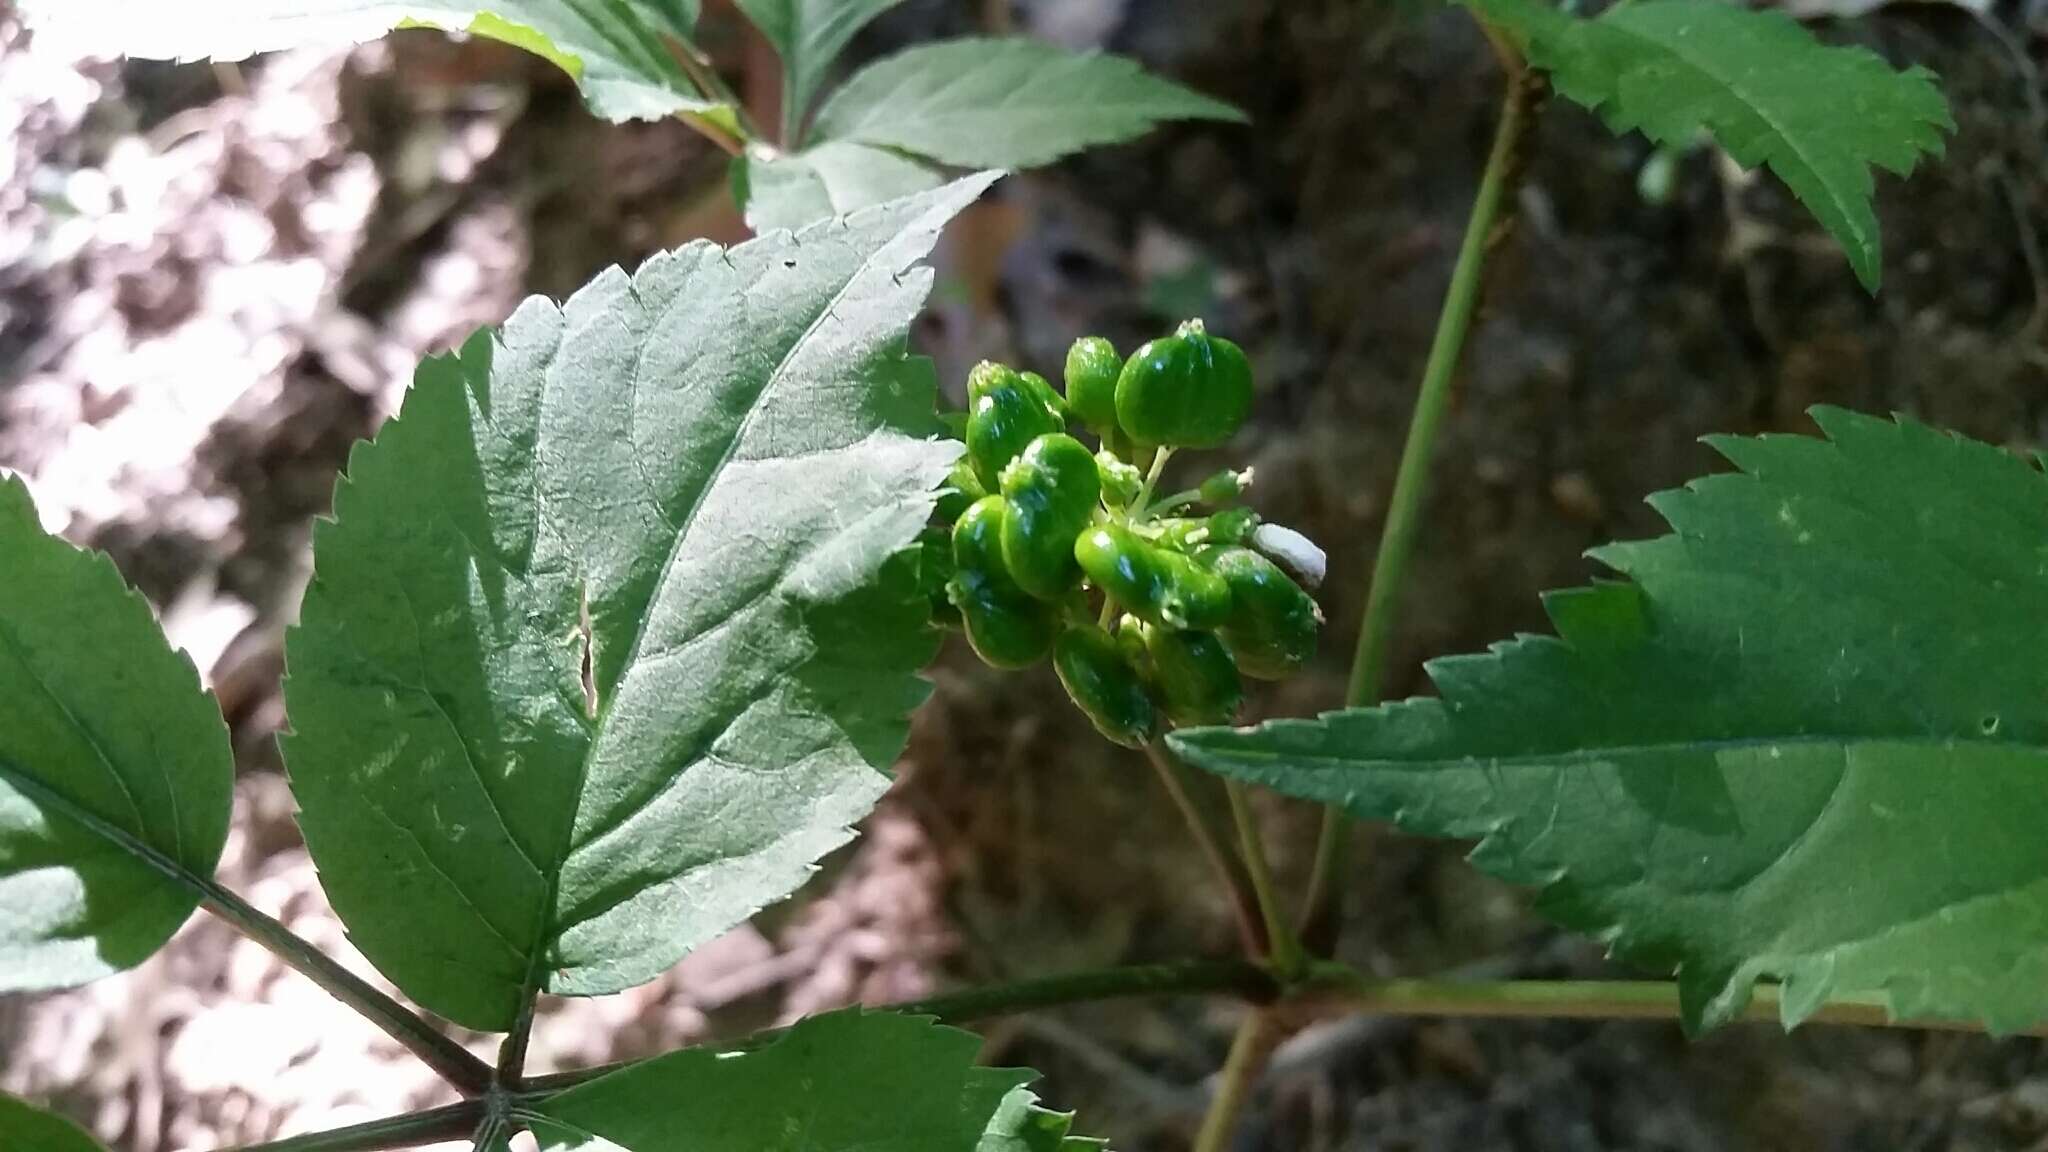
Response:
column 452, row 1122
column 1248, row 1052
column 1323, row 983
column 1282, row 946
column 1243, row 979
column 512, row 1052
column 452, row 1061
column 1140, row 506
column 1411, row 480
column 1579, row 1000
column 1210, row 838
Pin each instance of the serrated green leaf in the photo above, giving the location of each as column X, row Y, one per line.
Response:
column 1005, row 103
column 788, row 191
column 1808, row 741
column 879, row 1082
column 27, row 1128
column 1819, row 115
column 617, row 50
column 1022, row 1125
column 115, row 770
column 707, row 465
column 809, row 35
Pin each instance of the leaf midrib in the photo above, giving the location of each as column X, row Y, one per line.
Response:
column 550, row 929
column 14, row 647
column 133, row 845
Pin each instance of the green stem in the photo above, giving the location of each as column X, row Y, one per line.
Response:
column 1244, row 901
column 1248, row 1051
column 1405, row 511
column 1175, row 502
column 1243, row 979
column 512, row 1053
column 1282, row 946
column 452, row 1122
column 452, row 1061
column 1326, row 983
column 1141, row 504
column 1335, row 983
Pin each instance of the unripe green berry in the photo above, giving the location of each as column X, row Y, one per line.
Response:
column 1007, row 628
column 1158, row 586
column 1197, row 680
column 1105, row 686
column 1091, row 374
column 1188, row 390
column 1005, row 416
column 1051, row 491
column 1273, row 623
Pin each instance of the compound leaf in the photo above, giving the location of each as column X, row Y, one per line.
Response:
column 615, row 631
column 1819, row 115
column 1005, row 103
column 1808, row 739
column 809, row 35
column 115, row 770
column 876, row 1081
column 790, row 190
column 27, row 1128
column 617, row 50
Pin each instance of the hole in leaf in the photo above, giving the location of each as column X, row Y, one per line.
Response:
column 589, row 660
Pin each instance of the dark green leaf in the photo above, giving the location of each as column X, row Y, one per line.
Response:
column 1808, row 741
column 789, row 191
column 878, row 1082
column 115, row 771
column 1820, row 116
column 26, row 1128
column 704, row 468
column 809, row 35
column 617, row 50
column 1005, row 103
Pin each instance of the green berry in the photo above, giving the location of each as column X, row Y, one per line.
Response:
column 1197, row 680
column 1273, row 623
column 1105, row 686
column 1047, row 394
column 1005, row 416
column 1007, row 628
column 987, row 376
column 1091, row 375
column 1157, row 586
column 1051, row 491
column 1188, row 390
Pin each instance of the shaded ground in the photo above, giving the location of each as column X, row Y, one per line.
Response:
column 312, row 225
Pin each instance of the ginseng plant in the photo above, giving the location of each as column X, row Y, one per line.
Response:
column 617, row 626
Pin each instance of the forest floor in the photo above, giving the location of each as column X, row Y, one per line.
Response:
column 307, row 227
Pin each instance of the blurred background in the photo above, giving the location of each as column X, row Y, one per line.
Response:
column 215, row 279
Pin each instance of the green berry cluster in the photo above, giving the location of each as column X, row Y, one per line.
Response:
column 1152, row 613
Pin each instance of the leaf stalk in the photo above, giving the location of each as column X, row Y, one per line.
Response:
column 1405, row 508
